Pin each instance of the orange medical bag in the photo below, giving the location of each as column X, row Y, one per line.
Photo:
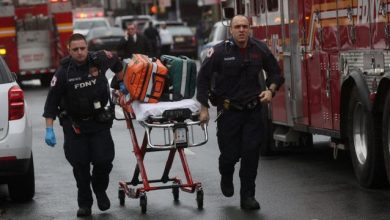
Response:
column 144, row 78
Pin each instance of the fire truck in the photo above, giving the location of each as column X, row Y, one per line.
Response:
column 334, row 55
column 33, row 36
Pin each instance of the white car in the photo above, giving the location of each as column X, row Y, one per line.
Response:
column 83, row 25
column 16, row 157
column 218, row 33
column 141, row 20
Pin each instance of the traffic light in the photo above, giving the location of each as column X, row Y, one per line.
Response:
column 153, row 9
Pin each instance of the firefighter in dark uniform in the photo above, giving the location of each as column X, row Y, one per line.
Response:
column 79, row 95
column 234, row 67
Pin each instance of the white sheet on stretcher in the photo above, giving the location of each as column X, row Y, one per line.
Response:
column 143, row 110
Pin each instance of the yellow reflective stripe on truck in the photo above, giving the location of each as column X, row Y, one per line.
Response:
column 7, row 32
column 65, row 27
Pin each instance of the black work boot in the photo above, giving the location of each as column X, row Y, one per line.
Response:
column 227, row 186
column 103, row 201
column 249, row 203
column 83, row 212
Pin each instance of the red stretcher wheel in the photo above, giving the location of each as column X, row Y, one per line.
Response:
column 121, row 197
column 175, row 192
column 199, row 198
column 143, row 201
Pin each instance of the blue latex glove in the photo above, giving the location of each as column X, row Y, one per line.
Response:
column 122, row 88
column 50, row 137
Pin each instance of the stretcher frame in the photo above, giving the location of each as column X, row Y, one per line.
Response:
column 130, row 188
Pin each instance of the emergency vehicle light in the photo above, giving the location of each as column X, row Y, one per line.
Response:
column 82, row 15
column 89, row 15
column 3, row 51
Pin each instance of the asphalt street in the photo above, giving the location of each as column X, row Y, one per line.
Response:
column 297, row 184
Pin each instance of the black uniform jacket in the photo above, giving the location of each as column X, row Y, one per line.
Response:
column 76, row 88
column 127, row 47
column 152, row 34
column 235, row 74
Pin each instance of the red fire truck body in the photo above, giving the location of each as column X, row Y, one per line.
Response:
column 334, row 55
column 33, row 37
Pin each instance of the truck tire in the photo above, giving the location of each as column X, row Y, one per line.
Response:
column 386, row 133
column 366, row 153
column 22, row 188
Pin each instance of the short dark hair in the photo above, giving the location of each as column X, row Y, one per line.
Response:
column 134, row 23
column 75, row 37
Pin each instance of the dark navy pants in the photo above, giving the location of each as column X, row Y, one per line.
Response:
column 239, row 135
column 82, row 150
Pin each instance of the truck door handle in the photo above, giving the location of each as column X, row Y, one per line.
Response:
column 327, row 89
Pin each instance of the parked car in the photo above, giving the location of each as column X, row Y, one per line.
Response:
column 157, row 23
column 16, row 157
column 83, row 25
column 218, row 33
column 141, row 20
column 184, row 42
column 103, row 38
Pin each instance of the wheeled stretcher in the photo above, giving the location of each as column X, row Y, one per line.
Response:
column 176, row 120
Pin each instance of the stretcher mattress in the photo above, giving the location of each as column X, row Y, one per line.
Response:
column 143, row 110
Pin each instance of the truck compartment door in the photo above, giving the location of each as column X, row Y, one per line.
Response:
column 34, row 42
column 34, row 50
column 276, row 38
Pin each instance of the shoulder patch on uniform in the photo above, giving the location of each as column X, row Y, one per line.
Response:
column 53, row 81
column 210, row 52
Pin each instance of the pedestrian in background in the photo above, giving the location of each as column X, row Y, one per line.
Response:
column 200, row 35
column 151, row 33
column 166, row 39
column 78, row 96
column 133, row 42
column 238, row 95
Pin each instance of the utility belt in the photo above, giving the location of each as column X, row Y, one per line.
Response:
column 103, row 116
column 65, row 115
column 228, row 104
